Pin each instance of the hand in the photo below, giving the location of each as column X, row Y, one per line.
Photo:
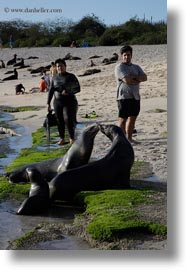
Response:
column 130, row 80
column 49, row 107
column 64, row 93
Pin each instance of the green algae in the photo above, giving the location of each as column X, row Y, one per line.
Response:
column 113, row 213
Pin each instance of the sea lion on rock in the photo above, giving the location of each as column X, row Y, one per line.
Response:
column 78, row 154
column 38, row 200
column 110, row 172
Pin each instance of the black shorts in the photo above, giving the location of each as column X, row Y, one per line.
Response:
column 128, row 107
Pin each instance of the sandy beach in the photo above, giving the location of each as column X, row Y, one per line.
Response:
column 98, row 93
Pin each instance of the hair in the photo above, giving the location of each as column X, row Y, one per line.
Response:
column 126, row 48
column 60, row 61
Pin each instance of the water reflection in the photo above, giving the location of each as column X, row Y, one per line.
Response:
column 13, row 226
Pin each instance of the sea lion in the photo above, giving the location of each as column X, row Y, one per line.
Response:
column 38, row 200
column 18, row 64
column 33, row 57
column 48, row 170
column 2, row 65
column 12, row 61
column 90, row 72
column 39, row 69
column 12, row 77
column 94, row 56
column 68, row 56
column 78, row 154
column 110, row 172
column 114, row 57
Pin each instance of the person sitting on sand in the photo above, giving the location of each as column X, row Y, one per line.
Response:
column 46, row 78
column 20, row 89
column 43, row 85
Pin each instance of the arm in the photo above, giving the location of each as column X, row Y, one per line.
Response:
column 132, row 79
column 72, row 85
column 50, row 96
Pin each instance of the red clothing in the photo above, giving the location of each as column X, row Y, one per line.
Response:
column 43, row 85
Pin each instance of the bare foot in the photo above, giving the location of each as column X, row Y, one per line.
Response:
column 71, row 141
column 61, row 142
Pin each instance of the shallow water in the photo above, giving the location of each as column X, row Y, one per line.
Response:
column 14, row 144
column 13, row 226
column 153, row 178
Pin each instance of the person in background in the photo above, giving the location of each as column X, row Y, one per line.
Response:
column 128, row 77
column 1, row 43
column 42, row 85
column 46, row 78
column 73, row 44
column 52, row 70
column 64, row 86
column 20, row 89
column 11, row 42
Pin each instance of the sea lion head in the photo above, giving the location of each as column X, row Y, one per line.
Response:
column 91, row 130
column 111, row 130
column 17, row 176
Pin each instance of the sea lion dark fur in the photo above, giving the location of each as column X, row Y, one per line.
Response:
column 110, row 172
column 12, row 61
column 47, row 168
column 12, row 77
column 78, row 154
column 38, row 200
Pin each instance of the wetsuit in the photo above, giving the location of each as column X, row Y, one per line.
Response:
column 65, row 106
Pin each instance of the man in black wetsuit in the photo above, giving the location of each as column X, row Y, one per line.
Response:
column 64, row 86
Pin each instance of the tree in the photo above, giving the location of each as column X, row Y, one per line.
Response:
column 88, row 27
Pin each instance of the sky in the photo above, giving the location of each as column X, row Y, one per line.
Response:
column 110, row 12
